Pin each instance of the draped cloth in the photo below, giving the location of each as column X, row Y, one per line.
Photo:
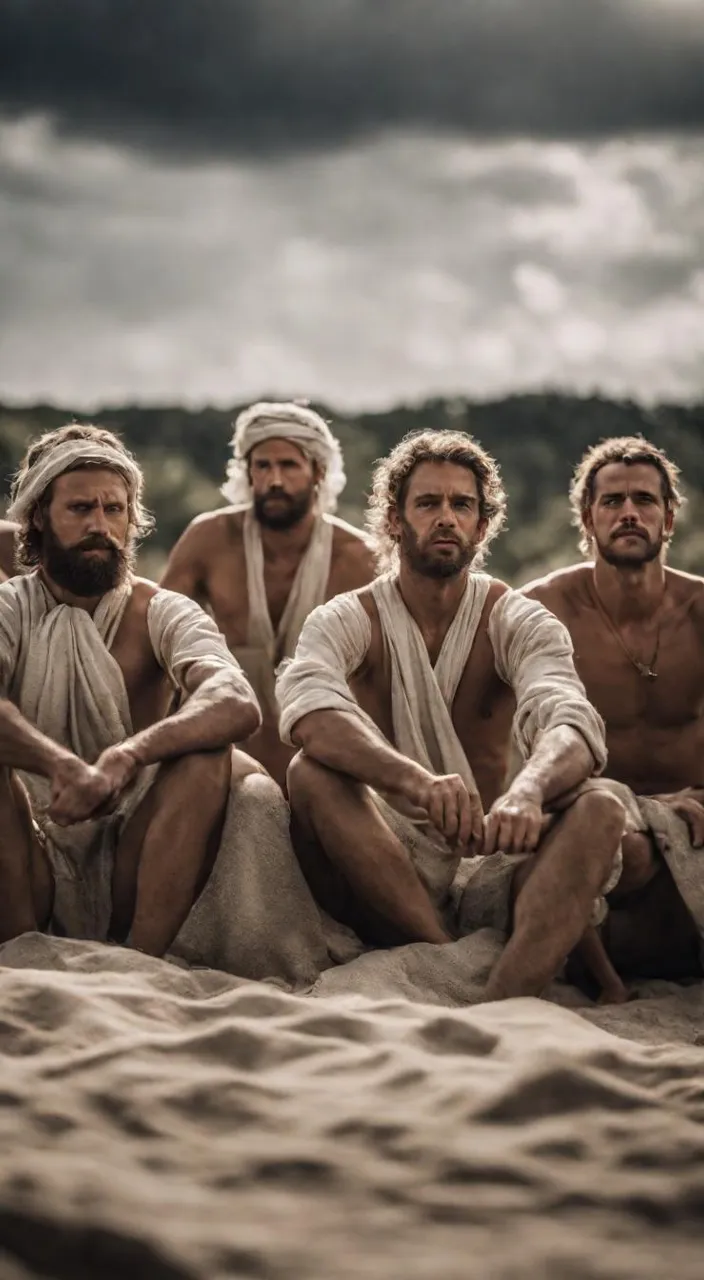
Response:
column 266, row 647
column 532, row 653
column 254, row 916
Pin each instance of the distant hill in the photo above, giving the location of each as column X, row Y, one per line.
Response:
column 537, row 439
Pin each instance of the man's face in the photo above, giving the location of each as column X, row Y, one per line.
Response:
column 628, row 520
column 439, row 527
column 283, row 483
column 86, row 547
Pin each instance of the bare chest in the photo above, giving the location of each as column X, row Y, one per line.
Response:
column 615, row 672
column 228, row 593
column 149, row 691
column 481, row 711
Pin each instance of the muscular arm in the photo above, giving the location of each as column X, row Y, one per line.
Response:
column 346, row 743
column 219, row 711
column 560, row 762
column 24, row 747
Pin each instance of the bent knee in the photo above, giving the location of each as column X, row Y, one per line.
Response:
column 603, row 811
column 203, row 772
column 304, row 777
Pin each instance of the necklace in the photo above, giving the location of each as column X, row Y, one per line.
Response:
column 644, row 669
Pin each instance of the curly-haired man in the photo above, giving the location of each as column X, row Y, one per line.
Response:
column 401, row 697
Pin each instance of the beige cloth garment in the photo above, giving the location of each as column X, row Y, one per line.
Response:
column 265, row 647
column 255, row 916
column 533, row 654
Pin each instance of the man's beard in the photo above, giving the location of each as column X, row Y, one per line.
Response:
column 427, row 561
column 650, row 551
column 85, row 575
column 290, row 509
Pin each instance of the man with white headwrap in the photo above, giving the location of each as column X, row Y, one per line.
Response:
column 263, row 563
column 125, row 812
column 401, row 697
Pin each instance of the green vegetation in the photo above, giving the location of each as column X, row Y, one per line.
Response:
column 537, row 439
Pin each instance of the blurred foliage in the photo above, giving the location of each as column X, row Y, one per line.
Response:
column 537, row 439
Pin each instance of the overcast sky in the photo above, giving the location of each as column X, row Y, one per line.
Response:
column 356, row 200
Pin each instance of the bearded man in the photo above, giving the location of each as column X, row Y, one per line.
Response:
column 123, row 818
column 263, row 563
column 401, row 698
column 638, row 631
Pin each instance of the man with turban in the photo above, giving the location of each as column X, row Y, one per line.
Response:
column 126, row 814
column 265, row 562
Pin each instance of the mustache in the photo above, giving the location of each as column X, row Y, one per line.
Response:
column 630, row 533
column 97, row 542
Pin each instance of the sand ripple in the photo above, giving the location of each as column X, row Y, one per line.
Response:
column 171, row 1125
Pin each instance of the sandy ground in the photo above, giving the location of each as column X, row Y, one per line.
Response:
column 168, row 1124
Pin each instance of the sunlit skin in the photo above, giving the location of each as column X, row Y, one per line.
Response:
column 630, row 600
column 208, row 561
column 83, row 503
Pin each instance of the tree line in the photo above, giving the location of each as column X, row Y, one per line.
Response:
column 537, row 440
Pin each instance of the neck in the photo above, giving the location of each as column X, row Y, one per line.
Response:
column 630, row 593
column 88, row 603
column 432, row 602
column 281, row 543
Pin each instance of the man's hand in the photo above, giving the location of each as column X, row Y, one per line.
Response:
column 453, row 810
column 77, row 791
column 514, row 823
column 118, row 765
column 687, row 804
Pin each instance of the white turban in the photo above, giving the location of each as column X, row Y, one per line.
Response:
column 68, row 456
column 289, row 421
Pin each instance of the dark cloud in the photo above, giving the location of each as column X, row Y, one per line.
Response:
column 254, row 76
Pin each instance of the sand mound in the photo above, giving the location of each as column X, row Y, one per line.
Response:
column 169, row 1124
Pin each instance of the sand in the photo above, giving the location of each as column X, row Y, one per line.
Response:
column 170, row 1124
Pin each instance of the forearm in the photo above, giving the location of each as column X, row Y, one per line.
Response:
column 215, row 716
column 345, row 743
column 24, row 747
column 561, row 761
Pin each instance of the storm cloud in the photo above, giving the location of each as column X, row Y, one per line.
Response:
column 257, row 77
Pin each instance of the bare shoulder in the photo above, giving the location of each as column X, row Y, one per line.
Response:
column 686, row 591
column 143, row 592
column 352, row 563
column 562, row 591
column 214, row 528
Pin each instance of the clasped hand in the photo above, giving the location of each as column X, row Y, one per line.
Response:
column 81, row 791
column 514, row 823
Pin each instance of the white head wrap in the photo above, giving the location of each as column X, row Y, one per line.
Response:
column 287, row 421
column 68, row 456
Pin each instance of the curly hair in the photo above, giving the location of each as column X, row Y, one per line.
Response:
column 630, row 450
column 391, row 477
column 29, row 537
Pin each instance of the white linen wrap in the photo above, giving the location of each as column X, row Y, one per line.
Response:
column 533, row 655
column 57, row 669
column 265, row 647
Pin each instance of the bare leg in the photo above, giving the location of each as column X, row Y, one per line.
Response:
column 168, row 848
column 555, row 890
column 26, row 881
column 335, row 814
